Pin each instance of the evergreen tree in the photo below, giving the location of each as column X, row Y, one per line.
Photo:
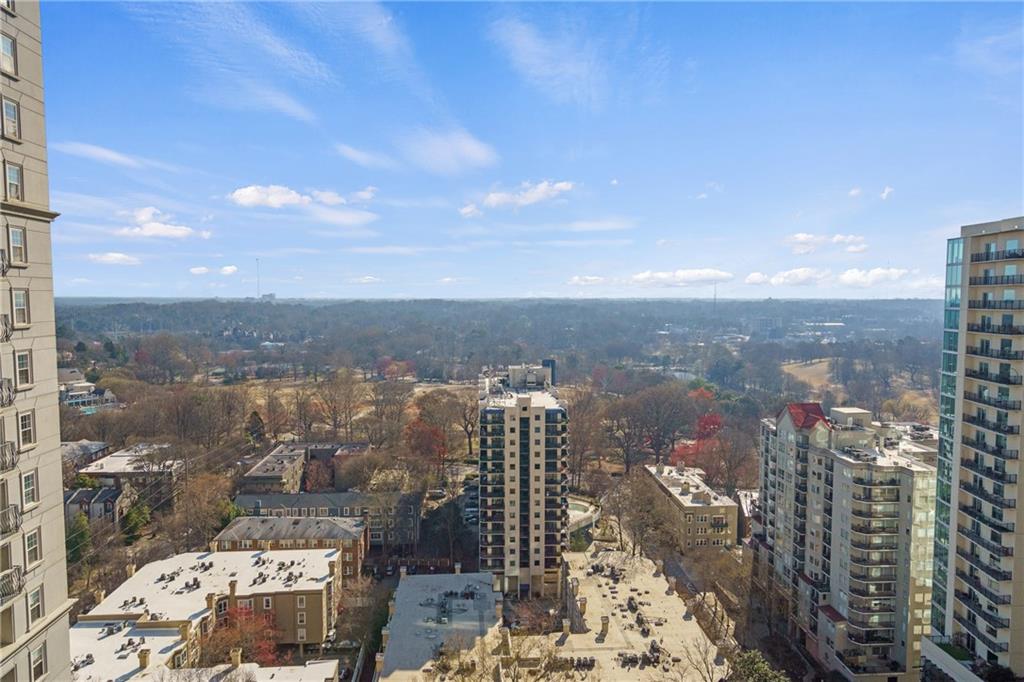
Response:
column 78, row 540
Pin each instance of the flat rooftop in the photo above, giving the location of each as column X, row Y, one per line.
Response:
column 509, row 397
column 689, row 488
column 292, row 528
column 415, row 629
column 890, row 458
column 176, row 588
column 130, row 460
column 663, row 609
column 276, row 464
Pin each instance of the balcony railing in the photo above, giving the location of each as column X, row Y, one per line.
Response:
column 994, row 328
column 875, row 530
column 996, row 280
column 974, row 605
column 871, row 608
column 989, row 497
column 6, row 392
column 992, row 304
column 9, row 456
column 994, row 450
column 988, row 593
column 871, row 638
column 877, row 482
column 978, row 515
column 1005, row 254
column 992, row 644
column 994, row 377
column 865, row 561
column 874, row 513
column 873, row 576
column 997, row 353
column 872, row 593
column 993, row 572
column 6, row 328
column 10, row 519
column 992, row 401
column 979, row 539
column 998, row 427
column 12, row 582
column 875, row 546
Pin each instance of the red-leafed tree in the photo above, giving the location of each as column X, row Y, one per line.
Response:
column 319, row 477
column 255, row 634
column 427, row 443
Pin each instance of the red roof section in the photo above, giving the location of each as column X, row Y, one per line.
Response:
column 806, row 415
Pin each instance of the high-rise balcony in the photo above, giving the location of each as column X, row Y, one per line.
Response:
column 996, row 280
column 1005, row 254
column 995, row 377
column 989, row 448
column 869, row 529
column 981, row 588
column 9, row 456
column 6, row 392
column 992, row 401
column 872, row 591
column 873, row 575
column 997, row 353
column 883, row 482
column 10, row 519
column 993, row 572
column 859, row 607
column 872, row 637
column 880, row 545
column 1005, row 329
column 998, row 427
column 889, row 560
column 12, row 582
column 990, row 497
column 995, row 304
column 973, row 604
column 874, row 513
column 978, row 515
column 979, row 539
column 876, row 622
column 972, row 628
column 6, row 328
column 988, row 472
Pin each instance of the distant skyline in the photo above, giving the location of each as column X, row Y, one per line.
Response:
column 479, row 151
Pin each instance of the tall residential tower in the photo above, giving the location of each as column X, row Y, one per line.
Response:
column 843, row 541
column 33, row 576
column 978, row 591
column 523, row 480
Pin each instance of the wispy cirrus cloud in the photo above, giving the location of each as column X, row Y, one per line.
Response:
column 112, row 157
column 365, row 158
column 804, row 243
column 446, row 152
column 586, row 280
column 114, row 258
column 991, row 50
column 242, row 60
column 527, row 194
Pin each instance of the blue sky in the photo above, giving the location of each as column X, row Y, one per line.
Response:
column 475, row 150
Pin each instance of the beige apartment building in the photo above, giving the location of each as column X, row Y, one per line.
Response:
column 158, row 616
column 843, row 542
column 278, row 472
column 978, row 590
column 33, row 576
column 705, row 518
column 523, row 481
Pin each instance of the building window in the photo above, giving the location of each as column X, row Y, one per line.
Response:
column 33, row 547
column 29, row 489
column 35, row 605
column 348, row 570
column 16, row 239
column 245, row 604
column 300, row 601
column 37, row 662
column 23, row 367
column 301, row 618
column 8, row 54
column 301, row 635
column 7, row 5
column 222, row 607
column 268, row 603
column 27, row 428
column 12, row 119
column 15, row 182
column 19, row 302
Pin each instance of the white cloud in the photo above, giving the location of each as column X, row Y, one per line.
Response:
column 272, row 196
column 702, row 195
column 930, row 283
column 681, row 278
column 327, row 197
column 853, row 243
column 856, row 248
column 151, row 223
column 470, row 211
column 799, row 277
column 601, row 225
column 614, row 182
column 565, row 66
column 855, row 277
column 447, row 153
column 366, row 194
column 199, row 270
column 529, row 193
column 343, row 217
column 364, row 158
column 229, row 270
column 886, row 192
column 448, row 280
column 803, row 243
column 994, row 51
column 855, row 192
column 114, row 258
column 756, row 278
column 105, row 155
column 586, row 280
column 366, row 279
